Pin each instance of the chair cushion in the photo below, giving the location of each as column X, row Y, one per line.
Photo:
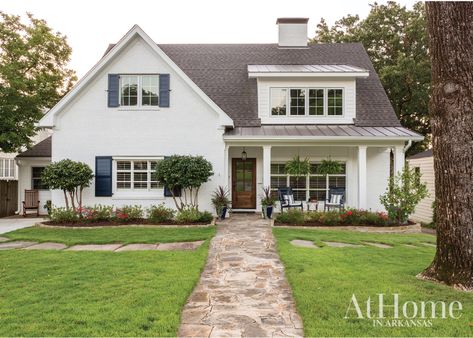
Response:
column 288, row 199
column 335, row 199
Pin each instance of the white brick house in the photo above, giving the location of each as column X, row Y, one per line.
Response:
column 143, row 101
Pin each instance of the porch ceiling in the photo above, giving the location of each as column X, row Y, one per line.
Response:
column 321, row 132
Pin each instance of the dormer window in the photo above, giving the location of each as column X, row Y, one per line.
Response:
column 306, row 101
column 139, row 90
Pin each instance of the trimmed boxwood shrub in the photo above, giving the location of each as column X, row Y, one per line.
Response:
column 292, row 216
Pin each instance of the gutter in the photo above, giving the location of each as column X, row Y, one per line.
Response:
column 408, row 145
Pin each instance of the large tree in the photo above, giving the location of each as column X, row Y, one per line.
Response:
column 33, row 76
column 450, row 27
column 396, row 41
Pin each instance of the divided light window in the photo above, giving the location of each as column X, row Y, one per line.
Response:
column 139, row 90
column 137, row 175
column 312, row 186
column 306, row 101
column 36, row 180
column 7, row 168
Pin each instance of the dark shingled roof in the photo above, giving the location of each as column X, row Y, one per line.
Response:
column 41, row 149
column 220, row 70
column 427, row 153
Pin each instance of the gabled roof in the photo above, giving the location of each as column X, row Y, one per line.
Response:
column 48, row 120
column 427, row 153
column 41, row 149
column 221, row 71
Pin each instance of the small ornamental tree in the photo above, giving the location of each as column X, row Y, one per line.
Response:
column 71, row 177
column 404, row 192
column 187, row 173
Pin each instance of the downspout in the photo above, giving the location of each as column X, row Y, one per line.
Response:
column 408, row 145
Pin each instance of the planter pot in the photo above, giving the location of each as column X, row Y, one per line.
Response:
column 223, row 213
column 269, row 211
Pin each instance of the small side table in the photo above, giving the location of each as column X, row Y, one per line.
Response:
column 312, row 205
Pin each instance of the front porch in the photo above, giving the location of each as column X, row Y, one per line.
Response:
column 366, row 168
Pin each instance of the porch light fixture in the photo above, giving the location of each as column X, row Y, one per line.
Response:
column 244, row 155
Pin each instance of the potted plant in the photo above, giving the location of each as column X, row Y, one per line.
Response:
column 267, row 202
column 221, row 201
column 329, row 167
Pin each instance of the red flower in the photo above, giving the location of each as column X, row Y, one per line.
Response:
column 349, row 213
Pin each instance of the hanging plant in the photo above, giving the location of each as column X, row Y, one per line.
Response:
column 298, row 167
column 329, row 167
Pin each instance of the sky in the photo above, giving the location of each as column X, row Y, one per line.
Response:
column 91, row 25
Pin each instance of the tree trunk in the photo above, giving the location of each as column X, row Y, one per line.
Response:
column 450, row 28
column 65, row 198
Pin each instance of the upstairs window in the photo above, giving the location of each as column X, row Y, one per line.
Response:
column 278, row 101
column 139, row 90
column 335, row 101
column 306, row 101
column 297, row 101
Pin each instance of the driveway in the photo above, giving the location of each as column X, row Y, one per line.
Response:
column 8, row 224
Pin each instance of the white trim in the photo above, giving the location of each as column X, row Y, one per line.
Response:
column 318, row 75
column 238, row 138
column 49, row 120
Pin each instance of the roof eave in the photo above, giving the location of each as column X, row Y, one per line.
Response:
column 307, row 74
column 321, row 138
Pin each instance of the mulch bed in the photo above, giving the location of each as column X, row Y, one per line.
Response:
column 319, row 224
column 117, row 223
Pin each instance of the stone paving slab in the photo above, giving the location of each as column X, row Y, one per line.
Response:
column 16, row 245
column 47, row 246
column 342, row 245
column 137, row 247
column 95, row 247
column 179, row 246
column 378, row 245
column 304, row 244
column 4, row 239
column 242, row 291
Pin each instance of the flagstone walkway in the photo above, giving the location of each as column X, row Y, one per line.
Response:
column 243, row 291
column 117, row 247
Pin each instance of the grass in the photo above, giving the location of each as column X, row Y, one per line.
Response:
column 124, row 235
column 324, row 280
column 48, row 293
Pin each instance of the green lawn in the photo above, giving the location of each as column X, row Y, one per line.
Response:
column 324, row 280
column 124, row 235
column 50, row 293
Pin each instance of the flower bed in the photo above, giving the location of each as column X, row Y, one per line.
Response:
column 349, row 217
column 100, row 215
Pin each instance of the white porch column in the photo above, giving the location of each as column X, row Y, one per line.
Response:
column 362, row 181
column 225, row 167
column 266, row 166
column 399, row 160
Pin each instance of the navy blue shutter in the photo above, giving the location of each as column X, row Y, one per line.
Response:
column 164, row 84
column 103, row 176
column 113, row 88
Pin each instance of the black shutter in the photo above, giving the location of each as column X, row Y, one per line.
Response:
column 177, row 191
column 164, row 83
column 113, row 88
column 103, row 176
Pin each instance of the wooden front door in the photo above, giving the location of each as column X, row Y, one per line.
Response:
column 244, row 183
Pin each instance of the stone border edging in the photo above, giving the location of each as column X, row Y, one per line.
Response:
column 414, row 228
column 42, row 225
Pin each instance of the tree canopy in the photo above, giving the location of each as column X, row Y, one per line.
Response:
column 187, row 173
column 33, row 76
column 69, row 176
column 396, row 41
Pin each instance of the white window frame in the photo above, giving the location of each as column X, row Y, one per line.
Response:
column 307, row 178
column 36, row 178
column 140, row 94
column 288, row 102
column 136, row 193
column 8, row 169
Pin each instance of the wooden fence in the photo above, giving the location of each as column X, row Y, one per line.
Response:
column 8, row 198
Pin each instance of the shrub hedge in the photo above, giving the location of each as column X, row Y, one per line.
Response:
column 333, row 218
